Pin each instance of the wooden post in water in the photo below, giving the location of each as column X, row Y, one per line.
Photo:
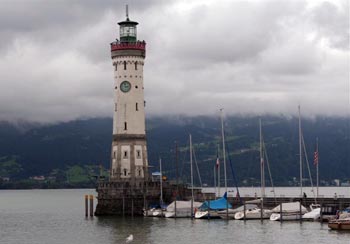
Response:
column 281, row 218
column 132, row 207
column 86, row 205
column 208, row 209
column 244, row 208
column 91, row 206
column 123, row 205
column 321, row 210
column 300, row 212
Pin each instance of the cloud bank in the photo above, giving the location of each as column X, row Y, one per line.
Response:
column 251, row 57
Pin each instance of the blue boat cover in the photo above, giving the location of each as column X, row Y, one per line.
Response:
column 218, row 204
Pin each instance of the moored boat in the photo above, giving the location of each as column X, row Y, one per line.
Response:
column 254, row 213
column 339, row 224
column 210, row 209
column 314, row 214
column 290, row 211
column 183, row 209
column 230, row 213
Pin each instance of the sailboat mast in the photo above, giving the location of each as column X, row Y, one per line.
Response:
column 300, row 156
column 223, row 147
column 191, row 175
column 218, row 166
column 316, row 161
column 262, row 166
column 161, row 181
column 215, row 180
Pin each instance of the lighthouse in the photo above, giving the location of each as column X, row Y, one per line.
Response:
column 129, row 148
column 129, row 189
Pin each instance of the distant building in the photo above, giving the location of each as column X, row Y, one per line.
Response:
column 38, row 178
column 5, row 179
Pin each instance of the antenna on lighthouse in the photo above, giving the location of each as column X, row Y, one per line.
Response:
column 127, row 12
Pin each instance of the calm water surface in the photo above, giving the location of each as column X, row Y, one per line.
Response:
column 57, row 216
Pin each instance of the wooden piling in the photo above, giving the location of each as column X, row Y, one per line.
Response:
column 244, row 209
column 91, row 206
column 208, row 209
column 281, row 218
column 123, row 205
column 132, row 207
column 300, row 212
column 86, row 205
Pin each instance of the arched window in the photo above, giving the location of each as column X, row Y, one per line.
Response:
column 125, row 171
column 136, row 65
column 124, row 65
column 125, row 126
column 115, row 66
column 139, row 172
column 137, row 107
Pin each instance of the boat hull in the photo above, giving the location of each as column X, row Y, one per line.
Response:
column 206, row 215
column 339, row 224
column 285, row 216
column 253, row 214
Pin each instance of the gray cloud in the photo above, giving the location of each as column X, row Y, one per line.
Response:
column 248, row 57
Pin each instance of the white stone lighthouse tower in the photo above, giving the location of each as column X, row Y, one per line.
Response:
column 129, row 149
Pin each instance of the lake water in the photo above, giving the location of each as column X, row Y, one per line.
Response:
column 57, row 217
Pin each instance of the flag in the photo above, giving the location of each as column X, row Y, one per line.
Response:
column 315, row 157
column 217, row 162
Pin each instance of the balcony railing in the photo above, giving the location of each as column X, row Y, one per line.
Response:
column 139, row 45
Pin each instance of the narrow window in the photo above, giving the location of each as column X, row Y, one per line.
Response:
column 139, row 172
column 124, row 172
column 125, row 126
column 115, row 107
column 114, row 155
column 136, row 65
column 124, row 65
column 144, row 103
column 138, row 154
column 137, row 107
column 115, row 66
column 125, row 154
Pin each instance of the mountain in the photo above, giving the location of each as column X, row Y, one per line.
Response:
column 28, row 150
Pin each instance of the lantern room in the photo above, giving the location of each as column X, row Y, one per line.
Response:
column 128, row 30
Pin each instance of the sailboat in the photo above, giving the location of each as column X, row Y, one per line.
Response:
column 182, row 209
column 210, row 209
column 292, row 210
column 257, row 213
column 289, row 211
column 158, row 210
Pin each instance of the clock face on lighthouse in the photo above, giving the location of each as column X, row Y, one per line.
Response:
column 125, row 86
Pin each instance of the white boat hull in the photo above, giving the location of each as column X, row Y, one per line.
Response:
column 285, row 216
column 179, row 214
column 313, row 215
column 206, row 214
column 253, row 214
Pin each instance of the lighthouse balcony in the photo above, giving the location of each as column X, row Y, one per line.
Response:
column 139, row 45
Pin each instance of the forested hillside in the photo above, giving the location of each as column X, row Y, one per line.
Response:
column 74, row 150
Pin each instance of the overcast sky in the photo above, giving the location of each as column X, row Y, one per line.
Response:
column 248, row 57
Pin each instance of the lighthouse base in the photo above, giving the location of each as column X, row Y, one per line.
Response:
column 121, row 198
